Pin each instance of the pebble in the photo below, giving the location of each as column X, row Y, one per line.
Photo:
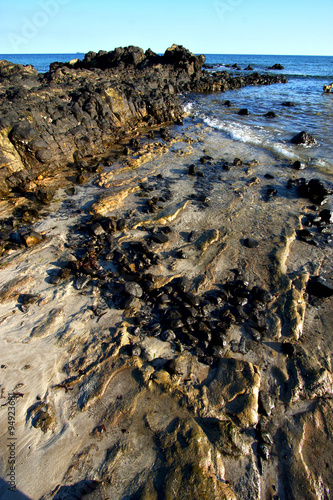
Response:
column 251, row 243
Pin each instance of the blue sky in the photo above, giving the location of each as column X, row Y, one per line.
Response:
column 297, row 27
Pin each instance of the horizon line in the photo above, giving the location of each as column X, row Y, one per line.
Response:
column 161, row 53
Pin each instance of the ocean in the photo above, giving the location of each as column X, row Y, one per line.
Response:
column 312, row 109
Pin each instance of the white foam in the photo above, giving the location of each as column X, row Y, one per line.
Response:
column 256, row 136
column 188, row 108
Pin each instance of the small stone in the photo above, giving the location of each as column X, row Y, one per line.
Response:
column 28, row 298
column 270, row 114
column 251, row 243
column 326, row 216
column 237, row 162
column 97, row 229
column 133, row 289
column 288, row 104
column 192, row 169
column 159, row 238
column 227, row 103
column 54, row 280
column 181, row 254
column 134, row 350
column 81, row 282
column 243, row 112
column 266, row 404
column 168, row 336
column 298, row 165
column 32, row 238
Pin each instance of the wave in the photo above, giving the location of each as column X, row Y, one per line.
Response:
column 256, row 136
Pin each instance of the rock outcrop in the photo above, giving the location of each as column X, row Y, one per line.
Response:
column 80, row 108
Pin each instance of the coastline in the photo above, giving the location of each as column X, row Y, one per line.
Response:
column 167, row 333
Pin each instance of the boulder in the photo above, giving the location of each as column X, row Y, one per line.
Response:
column 276, row 67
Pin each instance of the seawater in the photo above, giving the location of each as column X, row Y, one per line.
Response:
column 312, row 110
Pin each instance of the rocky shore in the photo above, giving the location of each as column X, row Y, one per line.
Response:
column 83, row 107
column 166, row 316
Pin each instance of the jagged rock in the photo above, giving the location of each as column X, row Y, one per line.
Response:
column 303, row 139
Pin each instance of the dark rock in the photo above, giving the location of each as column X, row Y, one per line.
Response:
column 54, row 280
column 288, row 104
column 270, row 114
column 192, row 169
column 303, row 139
column 249, row 68
column 276, row 66
column 97, row 229
column 243, row 112
column 326, row 216
column 205, row 159
column 133, row 289
column 159, row 238
column 28, row 298
column 298, row 165
column 44, row 195
column 180, row 254
column 168, row 336
column 81, row 282
column 317, row 191
column 251, row 243
column 261, row 295
column 319, row 287
column 237, row 162
column 227, row 103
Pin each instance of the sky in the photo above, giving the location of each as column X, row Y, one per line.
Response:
column 283, row 27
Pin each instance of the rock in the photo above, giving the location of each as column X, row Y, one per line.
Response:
column 237, row 162
column 227, row 103
column 319, row 287
column 270, row 114
column 236, row 386
column 32, row 238
column 133, row 289
column 288, row 104
column 192, row 169
column 81, row 282
column 251, row 243
column 303, row 139
column 249, row 68
column 326, row 216
column 317, row 191
column 266, row 403
column 243, row 112
column 159, row 238
column 304, row 446
column 97, row 229
column 298, row 165
column 276, row 66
